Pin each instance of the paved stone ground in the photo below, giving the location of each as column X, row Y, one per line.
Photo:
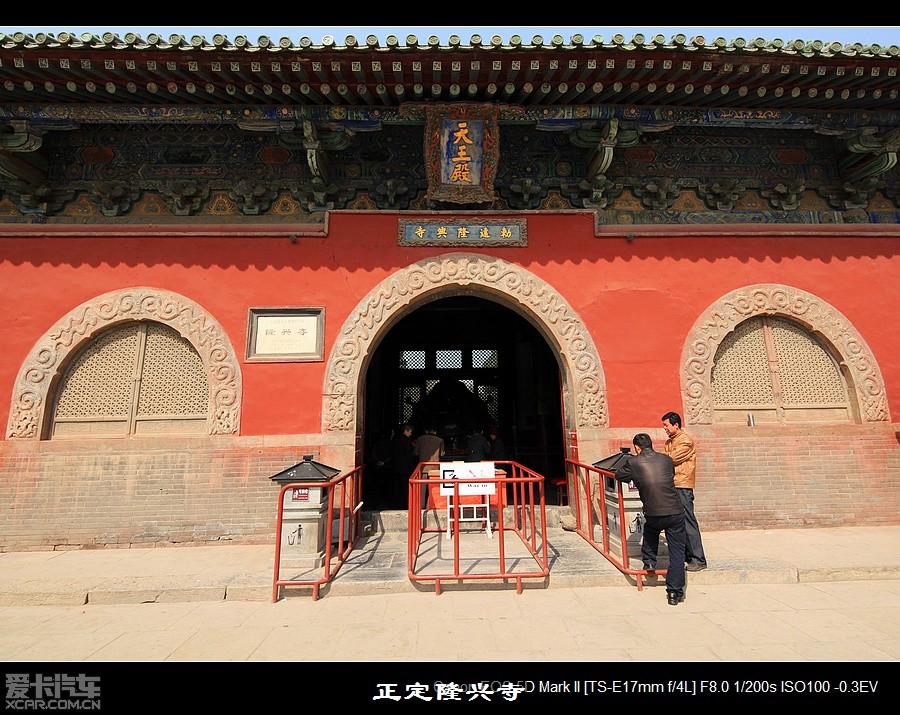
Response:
column 774, row 607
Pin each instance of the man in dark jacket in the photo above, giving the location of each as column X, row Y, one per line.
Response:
column 403, row 462
column 654, row 475
column 377, row 486
column 478, row 446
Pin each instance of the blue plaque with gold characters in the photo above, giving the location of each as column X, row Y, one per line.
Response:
column 461, row 152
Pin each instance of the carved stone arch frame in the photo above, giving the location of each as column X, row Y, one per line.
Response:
column 582, row 378
column 815, row 314
column 41, row 370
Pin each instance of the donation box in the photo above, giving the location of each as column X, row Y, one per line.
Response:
column 303, row 513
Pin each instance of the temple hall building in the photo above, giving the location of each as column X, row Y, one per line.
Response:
column 218, row 255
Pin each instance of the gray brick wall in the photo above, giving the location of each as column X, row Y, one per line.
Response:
column 61, row 494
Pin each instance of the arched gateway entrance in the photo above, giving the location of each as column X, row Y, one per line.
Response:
column 462, row 364
column 423, row 345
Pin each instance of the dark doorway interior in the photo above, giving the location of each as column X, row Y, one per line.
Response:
column 463, row 363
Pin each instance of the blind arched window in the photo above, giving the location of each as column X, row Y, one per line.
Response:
column 136, row 378
column 777, row 371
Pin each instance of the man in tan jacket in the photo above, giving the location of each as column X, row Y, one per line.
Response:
column 680, row 447
column 429, row 448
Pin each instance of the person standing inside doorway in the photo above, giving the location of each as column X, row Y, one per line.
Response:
column 429, row 448
column 680, row 447
column 498, row 446
column 478, row 445
column 403, row 462
column 498, row 454
column 377, row 485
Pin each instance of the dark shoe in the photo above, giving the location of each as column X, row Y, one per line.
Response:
column 695, row 567
column 649, row 569
column 674, row 598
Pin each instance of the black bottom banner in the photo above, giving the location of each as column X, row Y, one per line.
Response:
column 232, row 686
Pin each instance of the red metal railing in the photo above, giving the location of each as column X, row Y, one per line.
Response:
column 520, row 510
column 343, row 496
column 588, row 502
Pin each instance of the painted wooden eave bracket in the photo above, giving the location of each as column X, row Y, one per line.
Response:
column 869, row 154
column 19, row 157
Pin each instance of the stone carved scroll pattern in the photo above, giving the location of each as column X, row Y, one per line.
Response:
column 771, row 299
column 31, row 392
column 527, row 293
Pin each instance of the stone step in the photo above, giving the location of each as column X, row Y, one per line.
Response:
column 375, row 522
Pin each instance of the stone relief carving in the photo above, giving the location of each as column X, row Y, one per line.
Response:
column 772, row 299
column 520, row 290
column 32, row 387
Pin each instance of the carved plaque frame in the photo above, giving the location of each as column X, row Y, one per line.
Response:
column 292, row 320
column 487, row 115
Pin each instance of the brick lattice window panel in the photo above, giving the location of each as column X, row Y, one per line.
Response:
column 137, row 378
column 777, row 371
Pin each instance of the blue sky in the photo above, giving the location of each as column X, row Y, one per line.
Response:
column 845, row 34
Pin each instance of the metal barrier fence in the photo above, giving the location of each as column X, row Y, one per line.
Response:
column 336, row 527
column 511, row 502
column 588, row 501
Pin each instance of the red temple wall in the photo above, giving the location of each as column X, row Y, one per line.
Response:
column 639, row 298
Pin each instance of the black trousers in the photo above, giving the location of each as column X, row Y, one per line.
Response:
column 693, row 551
column 673, row 526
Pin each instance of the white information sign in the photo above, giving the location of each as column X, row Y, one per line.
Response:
column 471, row 476
column 286, row 334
